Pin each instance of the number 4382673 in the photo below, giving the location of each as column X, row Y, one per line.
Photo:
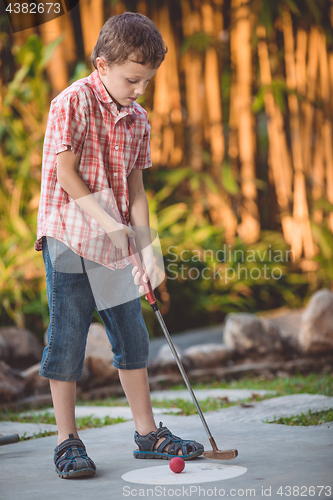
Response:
column 34, row 8
column 304, row 491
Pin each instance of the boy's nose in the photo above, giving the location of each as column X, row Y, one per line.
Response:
column 140, row 90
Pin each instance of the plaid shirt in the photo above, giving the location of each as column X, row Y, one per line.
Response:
column 110, row 143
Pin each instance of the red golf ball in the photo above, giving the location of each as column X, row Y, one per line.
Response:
column 177, row 464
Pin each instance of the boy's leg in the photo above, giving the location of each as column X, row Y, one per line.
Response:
column 136, row 388
column 129, row 338
column 64, row 397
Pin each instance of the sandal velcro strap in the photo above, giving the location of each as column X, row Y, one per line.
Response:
column 68, row 443
column 71, row 459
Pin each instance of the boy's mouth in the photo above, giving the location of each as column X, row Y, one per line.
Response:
column 132, row 98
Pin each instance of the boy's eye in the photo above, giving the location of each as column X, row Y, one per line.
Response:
column 133, row 81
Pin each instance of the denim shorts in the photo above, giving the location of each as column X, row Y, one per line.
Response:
column 72, row 304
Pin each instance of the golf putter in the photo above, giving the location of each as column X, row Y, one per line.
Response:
column 215, row 453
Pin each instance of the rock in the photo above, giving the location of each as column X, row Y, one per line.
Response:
column 207, row 355
column 4, row 349
column 165, row 356
column 12, row 383
column 98, row 358
column 20, row 348
column 288, row 322
column 316, row 331
column 35, row 383
column 165, row 361
column 248, row 334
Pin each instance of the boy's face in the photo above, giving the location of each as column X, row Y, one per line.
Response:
column 125, row 82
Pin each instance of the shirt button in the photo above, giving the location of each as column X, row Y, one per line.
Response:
column 115, row 174
column 116, row 147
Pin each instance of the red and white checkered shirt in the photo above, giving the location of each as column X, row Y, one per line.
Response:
column 110, row 143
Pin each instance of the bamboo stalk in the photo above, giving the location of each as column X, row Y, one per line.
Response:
column 91, row 12
column 192, row 64
column 171, row 111
column 300, row 62
column 119, row 7
column 302, row 236
column 69, row 53
column 249, row 228
column 327, row 124
column 233, row 151
column 141, row 7
column 21, row 37
column 57, row 68
column 222, row 214
column 308, row 104
column 278, row 155
column 167, row 148
column 219, row 203
column 327, row 140
column 318, row 168
column 213, row 96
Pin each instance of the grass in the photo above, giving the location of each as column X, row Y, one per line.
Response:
column 82, row 423
column 305, row 419
column 311, row 384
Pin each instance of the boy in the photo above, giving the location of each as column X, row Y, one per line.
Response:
column 97, row 141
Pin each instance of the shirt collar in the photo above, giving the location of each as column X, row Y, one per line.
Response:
column 104, row 96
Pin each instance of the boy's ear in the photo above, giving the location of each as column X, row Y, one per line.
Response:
column 101, row 65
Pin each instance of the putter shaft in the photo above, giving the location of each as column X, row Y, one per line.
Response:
column 215, row 454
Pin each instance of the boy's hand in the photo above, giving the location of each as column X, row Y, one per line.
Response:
column 149, row 270
column 119, row 234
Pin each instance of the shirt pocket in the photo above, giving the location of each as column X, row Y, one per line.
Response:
column 131, row 152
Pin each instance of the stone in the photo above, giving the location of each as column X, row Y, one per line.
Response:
column 207, row 355
column 12, row 383
column 35, row 383
column 316, row 330
column 248, row 334
column 165, row 362
column 288, row 322
column 99, row 358
column 165, row 356
column 4, row 349
column 22, row 347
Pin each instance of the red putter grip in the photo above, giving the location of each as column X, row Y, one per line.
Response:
column 136, row 261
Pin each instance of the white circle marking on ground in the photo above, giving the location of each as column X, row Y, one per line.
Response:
column 193, row 473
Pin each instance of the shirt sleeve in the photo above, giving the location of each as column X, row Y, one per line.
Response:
column 144, row 157
column 70, row 123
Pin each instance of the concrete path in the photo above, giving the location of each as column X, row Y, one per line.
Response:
column 275, row 461
column 31, row 429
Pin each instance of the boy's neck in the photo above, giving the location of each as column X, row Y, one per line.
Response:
column 116, row 102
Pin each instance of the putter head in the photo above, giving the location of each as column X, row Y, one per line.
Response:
column 221, row 454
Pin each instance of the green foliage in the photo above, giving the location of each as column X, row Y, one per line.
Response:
column 81, row 71
column 228, row 181
column 206, row 277
column 25, row 107
column 198, row 42
column 309, row 11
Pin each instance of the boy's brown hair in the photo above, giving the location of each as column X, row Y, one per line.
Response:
column 127, row 35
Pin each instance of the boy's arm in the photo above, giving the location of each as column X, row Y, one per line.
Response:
column 139, row 217
column 71, row 182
